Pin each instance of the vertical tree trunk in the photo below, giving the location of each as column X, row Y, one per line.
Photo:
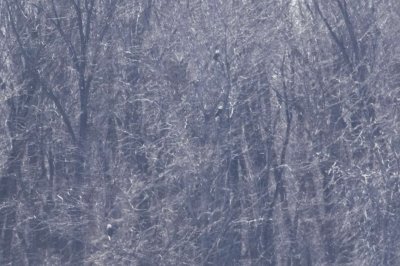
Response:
column 20, row 108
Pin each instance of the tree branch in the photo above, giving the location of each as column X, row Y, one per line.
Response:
column 334, row 36
column 350, row 28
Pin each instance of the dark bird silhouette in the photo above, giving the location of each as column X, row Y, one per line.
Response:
column 220, row 108
column 110, row 230
column 2, row 85
column 216, row 55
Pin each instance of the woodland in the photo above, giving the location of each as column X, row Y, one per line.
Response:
column 199, row 132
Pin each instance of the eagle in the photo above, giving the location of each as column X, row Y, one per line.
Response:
column 216, row 55
column 110, row 230
column 220, row 108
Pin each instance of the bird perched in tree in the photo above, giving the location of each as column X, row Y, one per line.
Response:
column 216, row 54
column 220, row 108
column 110, row 230
column 2, row 85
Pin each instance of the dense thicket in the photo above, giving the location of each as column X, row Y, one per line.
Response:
column 201, row 132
